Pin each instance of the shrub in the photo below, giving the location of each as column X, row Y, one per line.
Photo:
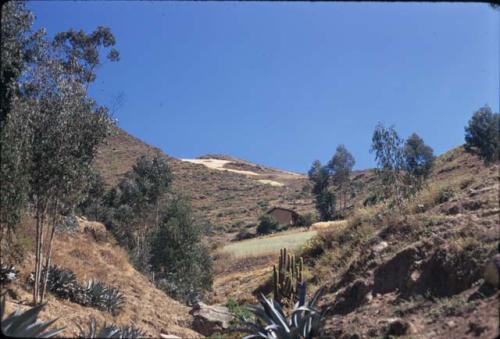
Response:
column 482, row 134
column 444, row 194
column 305, row 220
column 244, row 234
column 181, row 261
column 267, row 224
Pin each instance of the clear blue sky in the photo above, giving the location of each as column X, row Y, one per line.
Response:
column 282, row 84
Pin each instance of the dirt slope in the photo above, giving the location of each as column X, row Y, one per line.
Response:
column 90, row 258
column 418, row 272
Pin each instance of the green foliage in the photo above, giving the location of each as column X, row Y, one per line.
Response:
column 25, row 325
column 305, row 321
column 305, row 219
column 482, row 135
column 182, row 263
column 419, row 157
column 340, row 167
column 267, row 224
column 239, row 312
column 402, row 166
column 109, row 331
column 287, row 278
column 325, row 200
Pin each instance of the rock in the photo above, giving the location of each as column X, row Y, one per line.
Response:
column 492, row 271
column 447, row 272
column 398, row 327
column 380, row 246
column 394, row 274
column 209, row 319
column 352, row 296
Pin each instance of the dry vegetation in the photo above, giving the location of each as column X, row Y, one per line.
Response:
column 229, row 201
column 93, row 255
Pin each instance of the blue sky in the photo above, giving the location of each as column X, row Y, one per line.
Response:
column 282, row 84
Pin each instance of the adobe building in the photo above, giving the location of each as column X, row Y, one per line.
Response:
column 284, row 216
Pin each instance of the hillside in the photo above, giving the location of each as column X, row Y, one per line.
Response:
column 91, row 253
column 230, row 193
column 418, row 272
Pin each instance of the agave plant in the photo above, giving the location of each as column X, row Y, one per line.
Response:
column 99, row 295
column 7, row 274
column 113, row 300
column 62, row 282
column 25, row 324
column 305, row 321
column 111, row 331
column 95, row 292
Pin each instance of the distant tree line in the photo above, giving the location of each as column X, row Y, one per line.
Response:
column 403, row 166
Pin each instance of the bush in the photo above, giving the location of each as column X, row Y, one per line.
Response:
column 305, row 220
column 444, row 194
column 178, row 257
column 244, row 234
column 267, row 224
column 482, row 134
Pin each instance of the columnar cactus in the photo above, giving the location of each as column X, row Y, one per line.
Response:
column 287, row 277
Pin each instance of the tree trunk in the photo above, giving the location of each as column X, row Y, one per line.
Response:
column 40, row 220
column 49, row 253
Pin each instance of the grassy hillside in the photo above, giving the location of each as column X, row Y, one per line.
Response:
column 230, row 200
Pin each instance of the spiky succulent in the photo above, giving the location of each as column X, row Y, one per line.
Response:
column 109, row 331
column 8, row 274
column 95, row 291
column 62, row 282
column 305, row 321
column 24, row 324
column 113, row 300
column 101, row 296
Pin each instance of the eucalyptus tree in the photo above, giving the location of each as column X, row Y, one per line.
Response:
column 340, row 167
column 389, row 154
column 19, row 46
column 67, row 126
column 419, row 161
column 482, row 135
column 325, row 200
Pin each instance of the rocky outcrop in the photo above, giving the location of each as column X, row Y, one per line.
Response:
column 208, row 319
column 352, row 296
column 492, row 271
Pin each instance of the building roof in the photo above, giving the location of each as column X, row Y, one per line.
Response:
column 281, row 208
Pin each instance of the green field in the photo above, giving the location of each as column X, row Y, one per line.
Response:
column 270, row 244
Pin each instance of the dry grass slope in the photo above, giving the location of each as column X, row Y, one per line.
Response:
column 145, row 306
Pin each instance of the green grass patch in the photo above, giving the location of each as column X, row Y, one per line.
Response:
column 270, row 244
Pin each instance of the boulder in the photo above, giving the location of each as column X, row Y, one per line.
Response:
column 492, row 271
column 208, row 319
column 352, row 296
column 398, row 327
